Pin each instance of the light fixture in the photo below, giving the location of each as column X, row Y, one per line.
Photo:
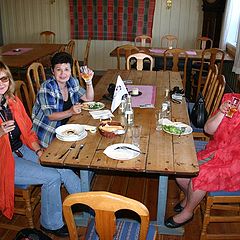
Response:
column 169, row 4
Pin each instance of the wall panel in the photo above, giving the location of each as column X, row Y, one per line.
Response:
column 23, row 20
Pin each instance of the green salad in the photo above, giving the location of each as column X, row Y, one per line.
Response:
column 173, row 129
column 95, row 105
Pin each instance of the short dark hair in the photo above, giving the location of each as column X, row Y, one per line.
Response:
column 61, row 57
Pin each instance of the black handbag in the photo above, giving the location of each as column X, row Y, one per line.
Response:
column 31, row 234
column 199, row 114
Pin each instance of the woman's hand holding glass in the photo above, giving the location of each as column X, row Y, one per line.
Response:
column 8, row 124
column 224, row 107
column 87, row 74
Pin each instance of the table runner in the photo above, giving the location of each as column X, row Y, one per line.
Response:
column 14, row 51
column 148, row 96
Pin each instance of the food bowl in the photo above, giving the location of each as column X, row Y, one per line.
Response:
column 111, row 129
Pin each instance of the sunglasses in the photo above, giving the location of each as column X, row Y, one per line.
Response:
column 4, row 79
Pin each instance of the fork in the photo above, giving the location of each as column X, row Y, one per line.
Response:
column 68, row 151
column 126, row 147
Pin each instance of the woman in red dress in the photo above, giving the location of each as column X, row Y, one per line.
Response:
column 218, row 162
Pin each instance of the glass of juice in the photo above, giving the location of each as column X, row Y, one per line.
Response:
column 233, row 107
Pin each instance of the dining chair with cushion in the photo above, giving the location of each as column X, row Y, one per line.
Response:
column 209, row 58
column 176, row 60
column 35, row 76
column 141, row 59
column 125, row 50
column 169, row 41
column 105, row 225
column 21, row 92
column 47, row 37
column 26, row 199
column 143, row 41
column 219, row 207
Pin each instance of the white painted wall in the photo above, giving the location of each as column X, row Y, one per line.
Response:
column 23, row 20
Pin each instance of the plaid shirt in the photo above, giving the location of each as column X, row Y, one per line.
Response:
column 49, row 100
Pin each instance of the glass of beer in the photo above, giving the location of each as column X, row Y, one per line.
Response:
column 233, row 107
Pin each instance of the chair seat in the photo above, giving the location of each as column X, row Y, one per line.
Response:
column 199, row 145
column 126, row 230
column 21, row 186
column 224, row 193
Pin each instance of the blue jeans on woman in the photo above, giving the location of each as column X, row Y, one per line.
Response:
column 29, row 171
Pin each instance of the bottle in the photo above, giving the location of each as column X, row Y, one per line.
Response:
column 129, row 115
column 166, row 104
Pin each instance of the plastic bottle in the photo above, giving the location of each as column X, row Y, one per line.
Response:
column 166, row 104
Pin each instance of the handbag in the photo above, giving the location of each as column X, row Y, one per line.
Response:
column 199, row 114
column 31, row 234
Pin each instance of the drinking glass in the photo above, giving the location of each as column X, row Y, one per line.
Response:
column 159, row 115
column 136, row 134
column 233, row 107
column 8, row 115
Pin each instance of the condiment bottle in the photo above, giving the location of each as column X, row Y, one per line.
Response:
column 129, row 115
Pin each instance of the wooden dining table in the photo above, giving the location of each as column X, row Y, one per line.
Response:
column 19, row 56
column 161, row 153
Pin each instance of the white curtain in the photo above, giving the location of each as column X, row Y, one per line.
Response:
column 226, row 24
column 236, row 65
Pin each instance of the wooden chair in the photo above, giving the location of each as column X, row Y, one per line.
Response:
column 105, row 205
column 47, row 37
column 219, row 207
column 21, row 92
column 26, row 199
column 35, row 76
column 70, row 47
column 86, row 54
column 126, row 50
column 203, row 43
column 174, row 63
column 209, row 58
column 144, row 40
column 141, row 58
column 169, row 41
column 77, row 73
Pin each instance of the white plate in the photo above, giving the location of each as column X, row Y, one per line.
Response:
column 187, row 131
column 87, row 106
column 70, row 130
column 121, row 154
column 73, row 138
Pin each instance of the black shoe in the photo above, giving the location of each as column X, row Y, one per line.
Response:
column 61, row 232
column 178, row 208
column 170, row 223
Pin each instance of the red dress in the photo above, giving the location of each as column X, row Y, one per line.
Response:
column 222, row 172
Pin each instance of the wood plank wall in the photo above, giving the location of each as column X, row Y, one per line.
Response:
column 23, row 20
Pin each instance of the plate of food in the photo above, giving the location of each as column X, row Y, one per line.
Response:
column 91, row 106
column 70, row 130
column 176, row 128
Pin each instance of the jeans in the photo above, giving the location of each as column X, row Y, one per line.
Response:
column 29, row 171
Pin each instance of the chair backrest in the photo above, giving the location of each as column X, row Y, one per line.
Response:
column 86, row 53
column 77, row 73
column 105, row 205
column 211, row 57
column 126, row 50
column 21, row 92
column 140, row 58
column 47, row 37
column 176, row 54
column 35, row 76
column 203, row 43
column 169, row 41
column 143, row 41
column 69, row 48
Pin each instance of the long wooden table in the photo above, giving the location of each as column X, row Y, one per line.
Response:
column 162, row 153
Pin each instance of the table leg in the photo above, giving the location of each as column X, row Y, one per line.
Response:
column 161, row 209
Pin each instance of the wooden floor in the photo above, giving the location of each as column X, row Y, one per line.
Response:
column 140, row 187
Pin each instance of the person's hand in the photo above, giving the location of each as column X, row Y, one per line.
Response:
column 224, row 107
column 76, row 109
column 6, row 127
column 87, row 74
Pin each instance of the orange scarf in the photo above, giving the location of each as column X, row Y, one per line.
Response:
column 6, row 157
